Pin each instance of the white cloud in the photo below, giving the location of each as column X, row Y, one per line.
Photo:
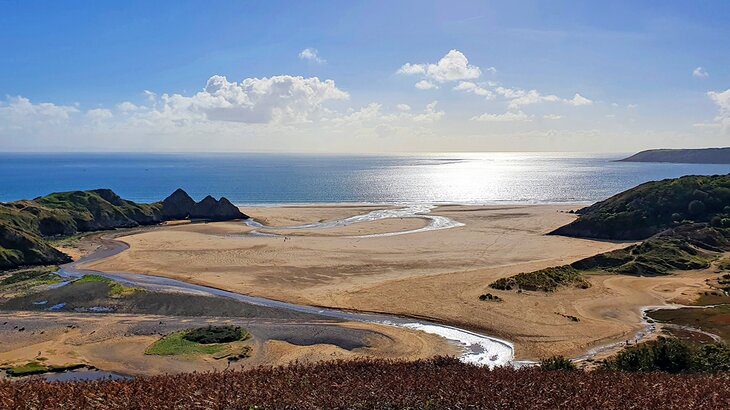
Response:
column 509, row 116
column 311, row 54
column 410, row 69
column 280, row 99
column 632, row 106
column 578, row 100
column 403, row 107
column 454, row 66
column 20, row 111
column 473, row 88
column 552, row 116
column 99, row 114
column 127, row 106
column 528, row 98
column 426, row 85
column 700, row 72
column 430, row 114
column 722, row 100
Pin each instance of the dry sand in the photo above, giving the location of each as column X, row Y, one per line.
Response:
column 437, row 274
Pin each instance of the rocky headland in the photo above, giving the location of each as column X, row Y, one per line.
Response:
column 26, row 225
column 683, row 156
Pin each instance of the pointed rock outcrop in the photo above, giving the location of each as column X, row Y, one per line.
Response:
column 214, row 210
column 178, row 205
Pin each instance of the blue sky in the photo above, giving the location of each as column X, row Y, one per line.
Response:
column 648, row 75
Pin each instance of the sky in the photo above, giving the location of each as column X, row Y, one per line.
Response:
column 363, row 76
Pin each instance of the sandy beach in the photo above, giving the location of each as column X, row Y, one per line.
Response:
column 435, row 274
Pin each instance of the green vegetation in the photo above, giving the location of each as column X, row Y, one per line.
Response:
column 38, row 275
column 715, row 320
column 489, row 297
column 557, row 363
column 653, row 207
column 672, row 356
column 723, row 264
column 216, row 334
column 180, row 343
column 116, row 289
column 21, row 282
column 545, row 280
column 35, row 367
column 687, row 247
column 28, row 227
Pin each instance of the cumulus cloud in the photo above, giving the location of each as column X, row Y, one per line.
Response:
column 552, row 116
column 311, row 54
column 430, row 114
column 99, row 114
column 373, row 114
column 722, row 100
column 280, row 99
column 522, row 98
column 473, row 88
column 19, row 110
column 426, row 85
column 509, row 116
column 127, row 106
column 700, row 72
column 454, row 66
column 578, row 100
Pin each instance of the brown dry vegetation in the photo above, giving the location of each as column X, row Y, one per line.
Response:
column 437, row 383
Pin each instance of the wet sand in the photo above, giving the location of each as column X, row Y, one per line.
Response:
column 116, row 342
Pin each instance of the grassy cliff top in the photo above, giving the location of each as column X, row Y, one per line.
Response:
column 649, row 208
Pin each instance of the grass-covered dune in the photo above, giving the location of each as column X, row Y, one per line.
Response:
column 433, row 384
column 685, row 224
column 686, row 247
column 25, row 225
column 653, row 207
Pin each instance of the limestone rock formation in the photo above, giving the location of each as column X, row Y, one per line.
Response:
column 178, row 205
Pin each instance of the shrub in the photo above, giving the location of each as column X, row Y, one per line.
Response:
column 545, row 280
column 489, row 297
column 696, row 207
column 671, row 355
column 716, row 222
column 557, row 363
column 215, row 334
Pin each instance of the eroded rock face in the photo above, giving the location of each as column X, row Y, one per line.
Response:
column 210, row 208
column 178, row 205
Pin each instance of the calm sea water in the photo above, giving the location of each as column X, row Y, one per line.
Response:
column 275, row 178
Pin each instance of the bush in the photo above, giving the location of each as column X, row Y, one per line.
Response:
column 696, row 207
column 215, row 334
column 672, row 356
column 557, row 363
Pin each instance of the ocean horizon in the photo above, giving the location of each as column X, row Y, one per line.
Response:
column 256, row 179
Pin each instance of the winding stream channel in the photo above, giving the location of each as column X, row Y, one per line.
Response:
column 477, row 348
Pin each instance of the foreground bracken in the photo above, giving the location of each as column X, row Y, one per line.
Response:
column 437, row 383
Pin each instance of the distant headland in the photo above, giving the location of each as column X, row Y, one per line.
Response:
column 682, row 156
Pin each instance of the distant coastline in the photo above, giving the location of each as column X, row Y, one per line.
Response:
column 682, row 156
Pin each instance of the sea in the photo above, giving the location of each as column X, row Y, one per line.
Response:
column 269, row 179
